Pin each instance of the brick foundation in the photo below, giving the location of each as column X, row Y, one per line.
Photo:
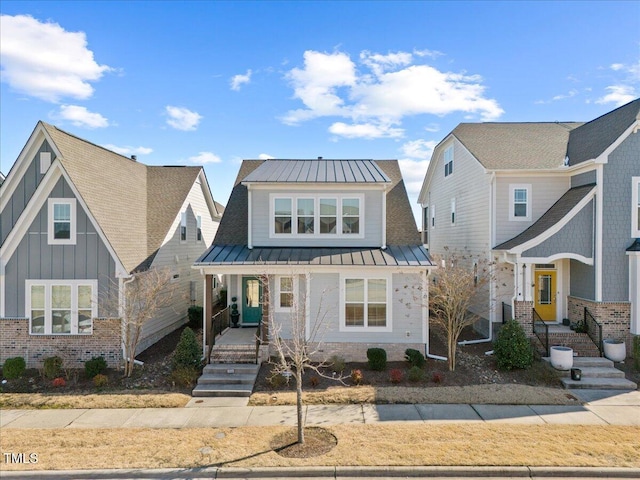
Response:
column 615, row 317
column 105, row 341
column 522, row 314
column 357, row 352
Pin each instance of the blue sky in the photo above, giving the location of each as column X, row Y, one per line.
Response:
column 212, row 83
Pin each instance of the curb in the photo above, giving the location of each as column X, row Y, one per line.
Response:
column 333, row 472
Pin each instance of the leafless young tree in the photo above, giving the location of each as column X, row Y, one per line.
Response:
column 294, row 354
column 136, row 301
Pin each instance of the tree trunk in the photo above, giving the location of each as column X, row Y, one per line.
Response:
column 299, row 407
column 452, row 352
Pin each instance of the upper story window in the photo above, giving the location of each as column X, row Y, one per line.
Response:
column 425, row 225
column 520, row 202
column 453, row 211
column 330, row 215
column 635, row 207
column 433, row 216
column 365, row 304
column 448, row 161
column 62, row 221
column 61, row 307
column 198, row 228
column 183, row 227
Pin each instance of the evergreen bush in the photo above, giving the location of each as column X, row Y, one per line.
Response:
column 414, row 357
column 415, row 374
column 195, row 316
column 52, row 367
column 95, row 366
column 377, row 358
column 13, row 368
column 512, row 347
column 188, row 352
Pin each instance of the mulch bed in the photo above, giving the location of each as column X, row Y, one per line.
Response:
column 317, row 441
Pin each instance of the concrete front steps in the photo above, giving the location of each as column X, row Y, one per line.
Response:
column 597, row 374
column 226, row 380
column 232, row 354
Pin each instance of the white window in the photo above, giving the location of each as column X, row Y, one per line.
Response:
column 520, row 202
column 183, row 227
column 448, row 161
column 425, row 225
column 285, row 288
column 635, row 207
column 198, row 229
column 62, row 221
column 433, row 216
column 340, row 215
column 45, row 162
column 365, row 304
column 453, row 211
column 61, row 307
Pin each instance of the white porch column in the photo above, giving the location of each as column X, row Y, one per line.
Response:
column 634, row 291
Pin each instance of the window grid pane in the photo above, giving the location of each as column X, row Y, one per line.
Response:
column 354, row 289
column 61, row 212
column 354, row 315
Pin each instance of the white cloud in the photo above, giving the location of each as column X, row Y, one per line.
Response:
column 182, row 118
column 421, row 149
column 616, row 66
column 413, row 172
column 238, row 80
column 81, row 117
column 127, row 150
column 365, row 130
column 392, row 86
column 44, row 60
column 205, row 157
column 432, row 127
column 265, row 156
column 618, row 95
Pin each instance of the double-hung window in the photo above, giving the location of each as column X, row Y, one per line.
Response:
column 285, row 288
column 448, row 161
column 62, row 221
column 199, row 228
column 635, row 207
column 297, row 215
column 366, row 304
column 61, row 307
column 520, row 202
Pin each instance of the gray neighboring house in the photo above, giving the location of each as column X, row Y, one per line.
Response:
column 77, row 221
column 336, row 236
column 557, row 205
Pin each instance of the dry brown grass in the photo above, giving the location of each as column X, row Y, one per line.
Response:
column 500, row 394
column 125, row 400
column 358, row 445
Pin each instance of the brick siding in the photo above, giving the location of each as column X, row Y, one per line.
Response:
column 15, row 341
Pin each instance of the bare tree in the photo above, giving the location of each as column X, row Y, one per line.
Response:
column 294, row 354
column 137, row 300
column 457, row 287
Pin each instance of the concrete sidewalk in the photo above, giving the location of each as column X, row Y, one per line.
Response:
column 600, row 408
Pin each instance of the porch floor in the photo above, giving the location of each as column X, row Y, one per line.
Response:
column 238, row 336
column 559, row 328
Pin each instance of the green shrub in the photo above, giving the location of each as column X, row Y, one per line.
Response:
column 13, row 367
column 185, row 376
column 636, row 351
column 95, row 366
column 277, row 380
column 100, row 381
column 195, row 317
column 222, row 298
column 377, row 358
column 52, row 367
column 414, row 357
column 415, row 374
column 512, row 347
column 337, row 364
column 188, row 352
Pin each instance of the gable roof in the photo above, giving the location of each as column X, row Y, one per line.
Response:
column 401, row 225
column 592, row 139
column 318, row 171
column 505, row 146
column 115, row 187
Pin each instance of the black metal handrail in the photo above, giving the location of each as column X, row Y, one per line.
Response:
column 594, row 330
column 507, row 312
column 215, row 326
column 258, row 339
column 541, row 330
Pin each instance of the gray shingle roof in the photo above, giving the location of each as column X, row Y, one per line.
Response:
column 550, row 218
column 394, row 255
column 318, row 171
column 503, row 146
column 134, row 204
column 592, row 139
column 401, row 225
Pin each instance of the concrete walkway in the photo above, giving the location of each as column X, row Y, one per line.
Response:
column 600, row 407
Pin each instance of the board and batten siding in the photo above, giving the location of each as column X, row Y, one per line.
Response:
column 544, row 192
column 178, row 256
column 35, row 259
column 23, row 192
column 469, row 185
column 261, row 226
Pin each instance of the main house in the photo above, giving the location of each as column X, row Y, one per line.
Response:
column 77, row 222
column 333, row 241
column 555, row 205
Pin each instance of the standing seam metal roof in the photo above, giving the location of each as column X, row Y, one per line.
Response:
column 318, row 171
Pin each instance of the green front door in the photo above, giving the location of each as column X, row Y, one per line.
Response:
column 251, row 301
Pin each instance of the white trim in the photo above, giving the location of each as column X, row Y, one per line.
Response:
column 249, row 218
column 604, row 156
column 384, row 219
column 512, row 202
column 198, row 228
column 48, row 284
column 2, row 294
column 388, row 278
column 51, row 203
column 635, row 206
column 184, row 223
column 317, row 187
column 425, row 308
column 433, row 217
column 307, row 306
column 599, row 198
column 634, row 291
column 294, row 290
column 557, row 256
column 204, row 313
column 45, row 162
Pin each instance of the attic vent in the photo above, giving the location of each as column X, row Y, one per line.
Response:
column 45, row 162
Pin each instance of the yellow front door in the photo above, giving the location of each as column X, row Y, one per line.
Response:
column 545, row 297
